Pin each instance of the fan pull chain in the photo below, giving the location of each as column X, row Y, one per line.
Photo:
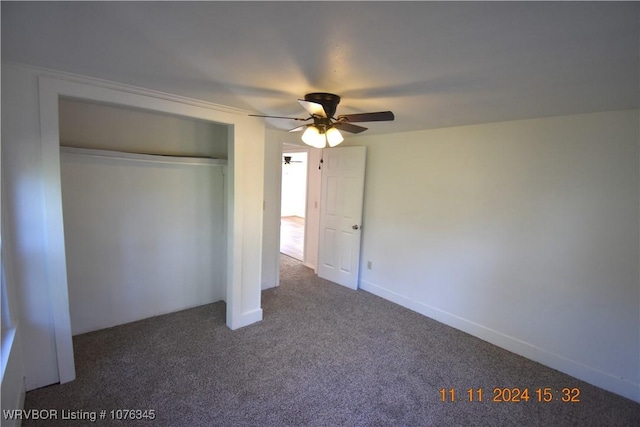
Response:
column 321, row 161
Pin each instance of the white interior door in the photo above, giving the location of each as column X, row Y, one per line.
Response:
column 341, row 215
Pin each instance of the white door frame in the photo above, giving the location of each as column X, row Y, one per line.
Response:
column 244, row 195
column 312, row 217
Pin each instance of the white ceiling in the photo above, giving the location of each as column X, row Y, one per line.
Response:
column 433, row 64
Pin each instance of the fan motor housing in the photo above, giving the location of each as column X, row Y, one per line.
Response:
column 329, row 101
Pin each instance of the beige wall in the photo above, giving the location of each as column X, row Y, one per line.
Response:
column 523, row 233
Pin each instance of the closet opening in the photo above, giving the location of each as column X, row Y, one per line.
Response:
column 243, row 188
column 143, row 198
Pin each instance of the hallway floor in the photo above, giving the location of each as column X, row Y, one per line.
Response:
column 292, row 236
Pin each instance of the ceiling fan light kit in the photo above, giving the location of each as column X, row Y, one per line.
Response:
column 326, row 128
column 334, row 137
column 313, row 137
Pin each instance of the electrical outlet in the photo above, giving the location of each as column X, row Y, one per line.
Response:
column 368, row 265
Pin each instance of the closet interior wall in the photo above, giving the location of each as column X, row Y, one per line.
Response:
column 144, row 212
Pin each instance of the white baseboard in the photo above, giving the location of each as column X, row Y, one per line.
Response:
column 245, row 319
column 576, row 369
column 268, row 285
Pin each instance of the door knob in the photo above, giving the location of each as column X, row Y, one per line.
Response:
column 355, row 227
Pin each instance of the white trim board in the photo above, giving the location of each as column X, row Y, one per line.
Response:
column 121, row 87
column 514, row 345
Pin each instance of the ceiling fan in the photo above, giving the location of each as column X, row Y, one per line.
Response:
column 288, row 160
column 325, row 127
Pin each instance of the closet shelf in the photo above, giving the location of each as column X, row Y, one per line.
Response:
column 158, row 158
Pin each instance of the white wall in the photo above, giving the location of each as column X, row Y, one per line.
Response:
column 12, row 377
column 271, row 205
column 109, row 127
column 312, row 221
column 144, row 236
column 522, row 233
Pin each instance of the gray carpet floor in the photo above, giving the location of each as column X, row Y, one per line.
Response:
column 324, row 355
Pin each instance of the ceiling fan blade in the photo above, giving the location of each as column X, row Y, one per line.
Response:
column 381, row 116
column 313, row 108
column 348, row 127
column 299, row 128
column 280, row 117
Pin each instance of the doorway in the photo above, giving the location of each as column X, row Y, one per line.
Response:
column 293, row 203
